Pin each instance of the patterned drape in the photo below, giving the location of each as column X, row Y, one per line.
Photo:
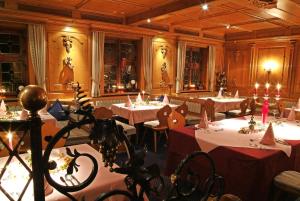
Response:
column 97, row 61
column 181, row 53
column 147, row 62
column 37, row 46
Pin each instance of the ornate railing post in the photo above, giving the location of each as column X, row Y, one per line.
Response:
column 33, row 98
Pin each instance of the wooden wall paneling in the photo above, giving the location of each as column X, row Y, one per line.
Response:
column 158, row 61
column 238, row 68
column 80, row 55
column 280, row 55
column 295, row 72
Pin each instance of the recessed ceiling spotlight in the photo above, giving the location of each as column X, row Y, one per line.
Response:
column 148, row 20
column 228, row 26
column 204, row 6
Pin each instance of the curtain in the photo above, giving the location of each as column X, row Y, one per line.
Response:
column 97, row 61
column 181, row 51
column 147, row 62
column 37, row 46
column 211, row 67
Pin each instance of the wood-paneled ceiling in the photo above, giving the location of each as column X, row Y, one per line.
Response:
column 222, row 17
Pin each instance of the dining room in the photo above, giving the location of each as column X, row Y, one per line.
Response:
column 114, row 100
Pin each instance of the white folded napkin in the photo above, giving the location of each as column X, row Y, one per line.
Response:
column 128, row 103
column 203, row 121
column 139, row 98
column 237, row 94
column 292, row 115
column 166, row 100
column 3, row 106
column 220, row 94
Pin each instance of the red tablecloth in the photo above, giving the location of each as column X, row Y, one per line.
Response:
column 248, row 172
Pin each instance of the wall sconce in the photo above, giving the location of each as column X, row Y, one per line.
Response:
column 268, row 67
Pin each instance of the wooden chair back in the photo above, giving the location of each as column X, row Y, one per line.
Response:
column 182, row 109
column 176, row 120
column 244, row 106
column 103, row 113
column 252, row 106
column 209, row 107
column 280, row 106
column 162, row 115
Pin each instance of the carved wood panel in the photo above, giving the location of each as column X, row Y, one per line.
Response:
column 163, row 64
column 59, row 71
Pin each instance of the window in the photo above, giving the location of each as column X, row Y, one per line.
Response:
column 195, row 71
column 120, row 66
column 13, row 72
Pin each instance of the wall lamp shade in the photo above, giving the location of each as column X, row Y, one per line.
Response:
column 269, row 66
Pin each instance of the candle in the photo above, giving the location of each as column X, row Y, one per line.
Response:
column 143, row 92
column 256, row 87
column 278, row 86
column 10, row 137
column 267, row 88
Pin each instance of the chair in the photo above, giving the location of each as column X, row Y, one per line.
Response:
column 182, row 109
column 209, row 107
column 252, row 107
column 242, row 111
column 176, row 120
column 280, row 107
column 287, row 184
column 105, row 113
column 160, row 125
column 194, row 111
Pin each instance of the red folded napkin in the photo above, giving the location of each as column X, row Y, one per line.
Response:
column 268, row 138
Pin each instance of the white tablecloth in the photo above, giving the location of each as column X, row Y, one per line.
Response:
column 105, row 180
column 225, row 104
column 225, row 133
column 139, row 113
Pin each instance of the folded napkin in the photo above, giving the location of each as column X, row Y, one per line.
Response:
column 139, row 98
column 237, row 94
column 220, row 94
column 292, row 115
column 166, row 100
column 268, row 138
column 24, row 115
column 128, row 103
column 298, row 104
column 203, row 121
column 3, row 106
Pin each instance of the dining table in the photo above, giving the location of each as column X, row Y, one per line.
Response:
column 247, row 166
column 139, row 113
column 14, row 181
column 224, row 104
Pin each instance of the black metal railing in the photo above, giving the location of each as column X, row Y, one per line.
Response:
column 140, row 181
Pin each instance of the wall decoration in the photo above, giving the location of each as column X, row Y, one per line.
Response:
column 164, row 51
column 67, row 74
column 68, row 61
column 221, row 81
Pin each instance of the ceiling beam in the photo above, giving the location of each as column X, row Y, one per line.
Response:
column 281, row 12
column 164, row 10
column 82, row 3
column 241, row 23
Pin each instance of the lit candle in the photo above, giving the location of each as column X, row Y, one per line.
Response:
column 267, row 88
column 10, row 137
column 256, row 87
column 278, row 86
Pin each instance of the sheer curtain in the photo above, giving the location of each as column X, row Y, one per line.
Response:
column 37, row 46
column 181, row 51
column 211, row 67
column 147, row 62
column 97, row 61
